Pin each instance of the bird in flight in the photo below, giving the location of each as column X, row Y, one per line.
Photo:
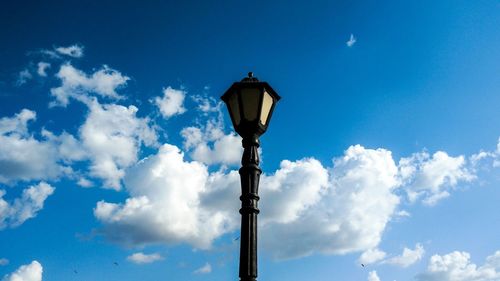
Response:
column 362, row 265
column 115, row 263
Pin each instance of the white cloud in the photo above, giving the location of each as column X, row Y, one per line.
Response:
column 17, row 124
column 29, row 272
column 477, row 158
column 305, row 208
column 78, row 85
column 171, row 103
column 141, row 258
column 351, row 41
column 351, row 215
column 68, row 147
column 174, row 201
column 207, row 268
column 4, row 261
column 456, row 266
column 42, row 68
column 111, row 138
column 372, row 276
column 83, row 182
column 496, row 155
column 408, row 257
column 432, row 177
column 47, row 53
column 165, row 204
column 207, row 104
column 23, row 77
column 112, row 135
column 403, row 213
column 209, row 144
column 371, row 256
column 75, row 51
column 22, row 157
column 26, row 207
column 293, row 189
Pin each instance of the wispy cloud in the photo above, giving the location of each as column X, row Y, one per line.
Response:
column 75, row 51
column 351, row 41
column 141, row 258
column 60, row 52
column 23, row 77
column 207, row 268
column 408, row 257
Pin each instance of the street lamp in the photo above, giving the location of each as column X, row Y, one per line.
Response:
column 251, row 104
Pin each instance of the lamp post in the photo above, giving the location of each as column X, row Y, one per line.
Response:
column 251, row 104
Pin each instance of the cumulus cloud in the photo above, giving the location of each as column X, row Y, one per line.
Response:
column 352, row 213
column 456, row 266
column 112, row 135
column 42, row 68
column 79, row 85
column 306, row 208
column 172, row 102
column 210, row 145
column 68, row 148
column 75, row 51
column 371, row 256
column 29, row 272
column 408, row 257
column 432, row 177
column 165, row 204
column 207, row 268
column 294, row 188
column 141, row 258
column 23, row 208
column 22, row 156
column 341, row 210
column 372, row 276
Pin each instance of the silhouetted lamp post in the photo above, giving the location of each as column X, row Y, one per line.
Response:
column 251, row 104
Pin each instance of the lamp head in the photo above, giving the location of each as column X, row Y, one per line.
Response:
column 250, row 103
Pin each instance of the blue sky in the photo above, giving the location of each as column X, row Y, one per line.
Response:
column 118, row 162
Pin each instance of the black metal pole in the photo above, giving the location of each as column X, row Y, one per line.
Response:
column 250, row 175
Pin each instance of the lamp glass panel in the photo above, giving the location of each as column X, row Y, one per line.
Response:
column 234, row 108
column 267, row 103
column 250, row 102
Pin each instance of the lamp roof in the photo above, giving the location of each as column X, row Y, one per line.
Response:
column 250, row 82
